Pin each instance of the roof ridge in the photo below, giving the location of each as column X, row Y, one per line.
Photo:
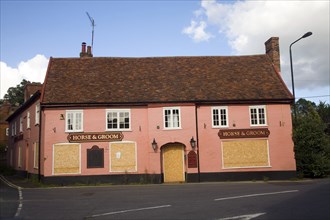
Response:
column 161, row 57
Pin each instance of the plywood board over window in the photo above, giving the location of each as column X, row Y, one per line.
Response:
column 66, row 158
column 245, row 154
column 123, row 157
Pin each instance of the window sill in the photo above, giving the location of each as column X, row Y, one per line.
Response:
column 74, row 131
column 171, row 129
column 265, row 125
column 217, row 127
column 123, row 130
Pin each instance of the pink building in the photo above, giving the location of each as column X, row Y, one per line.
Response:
column 159, row 119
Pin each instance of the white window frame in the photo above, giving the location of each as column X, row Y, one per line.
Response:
column 220, row 121
column 37, row 116
column 7, row 132
column 36, row 155
column 28, row 120
column 170, row 123
column 74, row 121
column 258, row 108
column 119, row 119
column 21, row 124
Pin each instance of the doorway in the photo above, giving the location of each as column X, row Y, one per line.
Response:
column 173, row 163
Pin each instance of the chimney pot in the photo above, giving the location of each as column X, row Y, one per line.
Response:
column 83, row 47
column 89, row 50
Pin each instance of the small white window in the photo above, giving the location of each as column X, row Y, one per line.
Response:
column 172, row 118
column 118, row 119
column 7, row 132
column 37, row 121
column 219, row 117
column 258, row 115
column 74, row 121
column 21, row 124
column 28, row 121
column 13, row 129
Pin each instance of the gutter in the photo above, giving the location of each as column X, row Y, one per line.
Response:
column 197, row 141
column 39, row 147
column 199, row 102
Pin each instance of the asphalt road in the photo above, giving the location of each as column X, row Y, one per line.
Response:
column 9, row 200
column 243, row 200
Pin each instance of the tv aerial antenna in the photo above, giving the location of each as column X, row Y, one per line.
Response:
column 93, row 25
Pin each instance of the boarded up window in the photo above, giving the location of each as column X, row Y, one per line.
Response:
column 251, row 153
column 122, row 157
column 95, row 157
column 66, row 158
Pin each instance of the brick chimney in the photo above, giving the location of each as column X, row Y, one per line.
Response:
column 83, row 52
column 273, row 51
column 30, row 89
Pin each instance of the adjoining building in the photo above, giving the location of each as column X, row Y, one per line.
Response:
column 161, row 119
column 6, row 109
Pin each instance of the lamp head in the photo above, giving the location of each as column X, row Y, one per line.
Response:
column 154, row 145
column 307, row 34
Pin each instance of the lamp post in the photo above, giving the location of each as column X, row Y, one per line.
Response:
column 294, row 96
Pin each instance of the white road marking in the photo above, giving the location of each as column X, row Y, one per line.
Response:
column 244, row 217
column 129, row 210
column 20, row 194
column 259, row 194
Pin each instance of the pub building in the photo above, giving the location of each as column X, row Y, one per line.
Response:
column 156, row 119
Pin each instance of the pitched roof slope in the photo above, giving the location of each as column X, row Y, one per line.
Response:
column 162, row 79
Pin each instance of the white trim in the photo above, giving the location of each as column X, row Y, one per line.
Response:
column 219, row 108
column 74, row 121
column 136, row 159
column 21, row 124
column 53, row 161
column 228, row 168
column 37, row 114
column 28, row 120
column 265, row 113
column 118, row 111
column 164, row 123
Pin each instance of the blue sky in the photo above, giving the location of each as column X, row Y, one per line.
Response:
column 32, row 31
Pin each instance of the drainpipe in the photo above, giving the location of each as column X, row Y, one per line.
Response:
column 39, row 147
column 197, row 141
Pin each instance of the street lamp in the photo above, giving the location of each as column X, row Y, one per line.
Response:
column 294, row 96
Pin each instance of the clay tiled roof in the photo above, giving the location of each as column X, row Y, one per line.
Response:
column 163, row 79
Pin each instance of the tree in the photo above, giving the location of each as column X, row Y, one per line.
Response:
column 303, row 105
column 15, row 95
column 312, row 144
column 324, row 111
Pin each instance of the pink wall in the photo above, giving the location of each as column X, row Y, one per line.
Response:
column 280, row 141
column 147, row 124
column 29, row 138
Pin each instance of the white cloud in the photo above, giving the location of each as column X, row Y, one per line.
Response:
column 196, row 31
column 248, row 24
column 33, row 70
